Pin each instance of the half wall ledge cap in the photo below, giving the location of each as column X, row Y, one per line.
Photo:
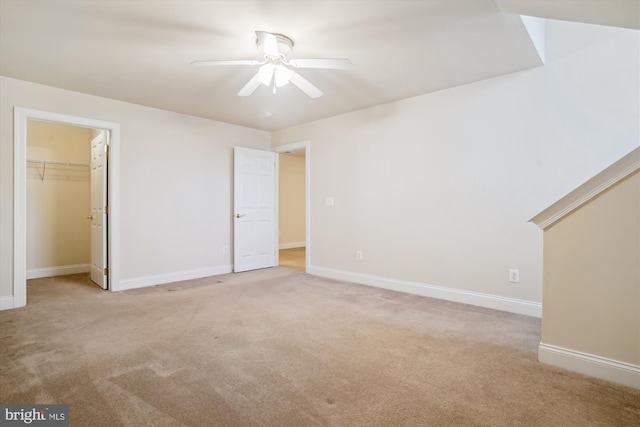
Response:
column 590, row 189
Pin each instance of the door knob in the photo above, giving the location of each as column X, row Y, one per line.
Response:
column 90, row 217
column 238, row 215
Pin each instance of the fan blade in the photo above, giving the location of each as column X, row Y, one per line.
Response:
column 304, row 85
column 216, row 63
column 251, row 86
column 335, row 64
column 269, row 44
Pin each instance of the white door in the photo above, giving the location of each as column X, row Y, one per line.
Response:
column 98, row 209
column 254, row 202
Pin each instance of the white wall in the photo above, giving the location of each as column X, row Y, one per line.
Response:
column 175, row 195
column 58, row 200
column 291, row 198
column 436, row 190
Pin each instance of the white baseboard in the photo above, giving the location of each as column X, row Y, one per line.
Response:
column 511, row 305
column 292, row 245
column 63, row 270
column 160, row 279
column 6, row 303
column 589, row 364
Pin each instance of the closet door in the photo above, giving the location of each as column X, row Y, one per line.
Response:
column 255, row 226
column 99, row 210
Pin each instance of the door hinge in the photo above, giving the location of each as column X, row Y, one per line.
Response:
column 106, row 209
column 106, row 271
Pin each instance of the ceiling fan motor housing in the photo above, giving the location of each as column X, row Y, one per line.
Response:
column 285, row 46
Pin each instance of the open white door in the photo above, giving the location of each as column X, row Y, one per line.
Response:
column 98, row 210
column 254, row 202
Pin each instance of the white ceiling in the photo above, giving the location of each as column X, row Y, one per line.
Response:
column 140, row 51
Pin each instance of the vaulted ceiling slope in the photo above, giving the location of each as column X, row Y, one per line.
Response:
column 141, row 51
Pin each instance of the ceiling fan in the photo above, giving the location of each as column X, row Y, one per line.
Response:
column 274, row 68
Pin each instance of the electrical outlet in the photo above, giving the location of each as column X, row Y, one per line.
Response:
column 225, row 249
column 359, row 255
column 329, row 201
column 514, row 276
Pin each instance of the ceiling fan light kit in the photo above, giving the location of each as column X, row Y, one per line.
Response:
column 274, row 70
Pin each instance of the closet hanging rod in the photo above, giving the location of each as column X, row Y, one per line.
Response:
column 54, row 162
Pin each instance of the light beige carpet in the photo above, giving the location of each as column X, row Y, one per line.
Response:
column 278, row 347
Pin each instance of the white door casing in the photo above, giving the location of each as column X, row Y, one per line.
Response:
column 98, row 209
column 306, row 146
column 21, row 116
column 254, row 217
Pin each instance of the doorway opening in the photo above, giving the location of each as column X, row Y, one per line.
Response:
column 293, row 206
column 66, row 195
column 22, row 117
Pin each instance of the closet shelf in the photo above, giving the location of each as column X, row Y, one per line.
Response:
column 44, row 164
column 55, row 162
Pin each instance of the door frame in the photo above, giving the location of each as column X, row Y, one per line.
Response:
column 20, row 118
column 295, row 146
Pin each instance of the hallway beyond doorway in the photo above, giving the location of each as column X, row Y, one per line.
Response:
column 293, row 258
